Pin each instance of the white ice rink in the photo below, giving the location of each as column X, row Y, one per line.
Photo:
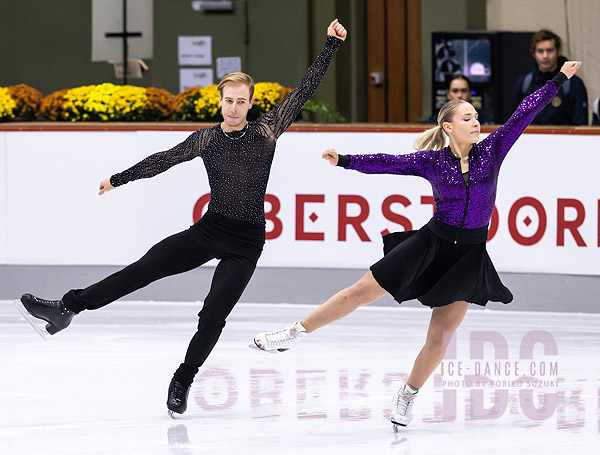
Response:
column 100, row 387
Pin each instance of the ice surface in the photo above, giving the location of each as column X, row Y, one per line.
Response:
column 100, row 386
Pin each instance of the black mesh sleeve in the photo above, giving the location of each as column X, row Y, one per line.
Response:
column 280, row 118
column 161, row 161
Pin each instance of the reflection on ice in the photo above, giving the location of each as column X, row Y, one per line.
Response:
column 400, row 445
column 177, row 436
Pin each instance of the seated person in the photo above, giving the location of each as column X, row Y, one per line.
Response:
column 459, row 88
column 569, row 106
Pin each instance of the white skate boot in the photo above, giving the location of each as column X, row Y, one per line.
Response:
column 280, row 340
column 402, row 405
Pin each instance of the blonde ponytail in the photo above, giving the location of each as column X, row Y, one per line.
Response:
column 432, row 139
column 435, row 138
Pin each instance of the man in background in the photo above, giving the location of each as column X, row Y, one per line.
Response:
column 569, row 106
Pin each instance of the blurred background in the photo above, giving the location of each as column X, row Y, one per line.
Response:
column 384, row 74
column 393, row 71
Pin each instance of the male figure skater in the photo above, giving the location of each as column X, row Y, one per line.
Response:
column 237, row 155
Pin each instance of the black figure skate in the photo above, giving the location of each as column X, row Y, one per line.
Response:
column 177, row 399
column 54, row 312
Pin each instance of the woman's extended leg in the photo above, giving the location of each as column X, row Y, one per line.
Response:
column 340, row 305
column 365, row 290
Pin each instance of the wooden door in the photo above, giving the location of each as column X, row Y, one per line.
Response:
column 394, row 51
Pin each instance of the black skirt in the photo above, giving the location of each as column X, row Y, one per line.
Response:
column 420, row 265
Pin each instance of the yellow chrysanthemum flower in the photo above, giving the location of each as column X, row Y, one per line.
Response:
column 105, row 102
column 7, row 104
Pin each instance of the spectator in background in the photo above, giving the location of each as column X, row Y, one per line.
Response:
column 459, row 88
column 569, row 106
column 596, row 117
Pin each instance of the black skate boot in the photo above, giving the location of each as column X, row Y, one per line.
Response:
column 53, row 312
column 177, row 399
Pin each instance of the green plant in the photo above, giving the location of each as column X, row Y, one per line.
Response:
column 320, row 112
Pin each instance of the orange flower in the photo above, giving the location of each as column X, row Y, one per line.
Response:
column 28, row 101
column 52, row 108
column 160, row 104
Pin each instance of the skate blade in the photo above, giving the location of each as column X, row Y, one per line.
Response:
column 397, row 427
column 255, row 347
column 171, row 414
column 32, row 320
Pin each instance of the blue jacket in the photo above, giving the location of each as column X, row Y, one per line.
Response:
column 568, row 107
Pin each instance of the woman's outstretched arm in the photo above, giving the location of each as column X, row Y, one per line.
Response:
column 504, row 137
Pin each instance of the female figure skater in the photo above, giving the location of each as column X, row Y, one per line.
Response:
column 444, row 264
column 237, row 155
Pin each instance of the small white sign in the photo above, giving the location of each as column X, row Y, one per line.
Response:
column 192, row 77
column 195, row 50
column 226, row 65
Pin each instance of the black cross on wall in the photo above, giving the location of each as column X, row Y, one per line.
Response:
column 124, row 35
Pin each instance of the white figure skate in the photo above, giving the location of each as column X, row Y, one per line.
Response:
column 281, row 340
column 402, row 405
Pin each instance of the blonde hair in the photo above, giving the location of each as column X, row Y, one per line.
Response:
column 435, row 138
column 236, row 79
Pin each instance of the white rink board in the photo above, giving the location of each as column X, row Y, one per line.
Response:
column 51, row 213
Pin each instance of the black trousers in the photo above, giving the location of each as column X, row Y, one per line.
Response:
column 237, row 245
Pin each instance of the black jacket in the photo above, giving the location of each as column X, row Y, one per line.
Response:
column 568, row 107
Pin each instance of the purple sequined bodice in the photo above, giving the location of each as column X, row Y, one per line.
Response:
column 456, row 203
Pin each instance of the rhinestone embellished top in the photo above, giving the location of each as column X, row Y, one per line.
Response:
column 238, row 163
column 442, row 169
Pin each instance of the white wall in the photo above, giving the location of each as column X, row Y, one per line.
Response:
column 51, row 213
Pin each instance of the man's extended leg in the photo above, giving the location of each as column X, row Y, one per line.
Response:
column 175, row 254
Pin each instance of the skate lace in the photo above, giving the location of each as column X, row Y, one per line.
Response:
column 53, row 304
column 44, row 302
column 403, row 402
column 279, row 337
column 178, row 392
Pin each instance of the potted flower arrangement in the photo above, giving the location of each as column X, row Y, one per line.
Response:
column 19, row 102
column 108, row 102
